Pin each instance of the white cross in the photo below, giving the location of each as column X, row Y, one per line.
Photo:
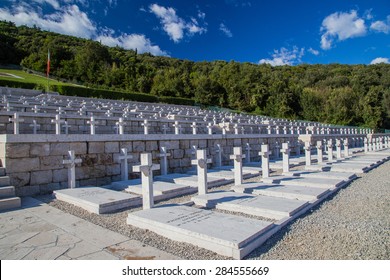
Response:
column 209, row 128
column 338, row 148
column 66, row 126
column 58, row 123
column 265, row 153
column 16, row 120
column 108, row 113
column 194, row 126
column 164, row 128
column 330, row 150
column 201, row 163
column 121, row 125
column 308, row 153
column 219, row 155
column 8, row 107
column 124, row 157
column 269, row 129
column 319, row 151
column 236, row 129
column 237, row 157
column 146, row 168
column 164, row 160
column 35, row 126
column 146, row 125
column 71, row 162
column 177, row 127
column 92, row 123
column 35, row 109
column 224, row 127
column 248, row 153
column 60, row 110
column 286, row 157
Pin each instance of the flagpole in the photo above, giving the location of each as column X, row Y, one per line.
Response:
column 48, row 69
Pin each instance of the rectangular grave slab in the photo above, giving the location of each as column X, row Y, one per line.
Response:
column 262, row 206
column 98, row 200
column 192, row 180
column 326, row 174
column 327, row 183
column 227, row 174
column 283, row 191
column 227, row 235
column 350, row 167
column 161, row 190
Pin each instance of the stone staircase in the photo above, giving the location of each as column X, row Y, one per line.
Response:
column 8, row 200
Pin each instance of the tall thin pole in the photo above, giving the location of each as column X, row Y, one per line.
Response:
column 48, row 69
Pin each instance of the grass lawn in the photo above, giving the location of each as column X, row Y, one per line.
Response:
column 6, row 74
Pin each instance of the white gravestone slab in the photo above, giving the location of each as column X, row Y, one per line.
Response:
column 98, row 200
column 224, row 234
column 262, row 206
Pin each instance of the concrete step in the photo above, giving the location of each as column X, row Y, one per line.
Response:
column 7, row 191
column 4, row 181
column 2, row 171
column 10, row 203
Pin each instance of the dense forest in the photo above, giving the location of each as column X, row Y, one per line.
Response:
column 335, row 93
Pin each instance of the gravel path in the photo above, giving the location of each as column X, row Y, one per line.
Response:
column 352, row 224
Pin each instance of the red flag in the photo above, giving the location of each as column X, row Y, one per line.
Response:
column 48, row 63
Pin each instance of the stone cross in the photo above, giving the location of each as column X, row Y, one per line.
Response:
column 146, row 125
column 93, row 124
column 124, row 157
column 235, row 129
column 201, row 162
column 71, row 162
column 237, row 157
column 57, row 121
column 209, row 128
column 219, row 156
column 297, row 148
column 35, row 126
column 224, row 127
column 194, row 126
column 269, row 129
column 8, row 107
column 177, row 127
column 164, row 160
column 319, row 151
column 35, row 109
column 277, row 150
column 277, row 129
column 60, row 111
column 346, row 148
column 286, row 157
column 164, row 128
column 338, row 148
column 66, row 126
column 16, row 120
column 247, row 153
column 330, row 150
column 121, row 125
column 265, row 153
column 308, row 153
column 284, row 129
column 146, row 168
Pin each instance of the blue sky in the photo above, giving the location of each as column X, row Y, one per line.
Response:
column 275, row 32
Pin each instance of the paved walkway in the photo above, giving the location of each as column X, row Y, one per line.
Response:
column 39, row 231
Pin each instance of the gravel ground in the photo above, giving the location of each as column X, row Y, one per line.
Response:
column 352, row 224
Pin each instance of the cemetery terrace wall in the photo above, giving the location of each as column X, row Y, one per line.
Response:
column 34, row 162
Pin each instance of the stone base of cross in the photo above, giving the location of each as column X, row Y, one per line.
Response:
column 319, row 151
column 146, row 169
column 71, row 162
column 308, row 153
column 338, row 149
column 201, row 162
column 330, row 150
column 237, row 157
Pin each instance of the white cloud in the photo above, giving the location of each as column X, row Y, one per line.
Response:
column 381, row 26
column 313, row 51
column 70, row 20
column 380, row 60
column 341, row 26
column 285, row 57
column 225, row 30
column 175, row 26
column 131, row 41
column 53, row 3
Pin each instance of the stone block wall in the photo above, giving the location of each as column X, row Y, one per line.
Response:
column 34, row 162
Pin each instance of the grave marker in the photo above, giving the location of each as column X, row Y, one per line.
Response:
column 201, row 162
column 92, row 124
column 124, row 157
column 146, row 169
column 237, row 158
column 286, row 157
column 57, row 121
column 16, row 120
column 265, row 153
column 164, row 162
column 71, row 162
